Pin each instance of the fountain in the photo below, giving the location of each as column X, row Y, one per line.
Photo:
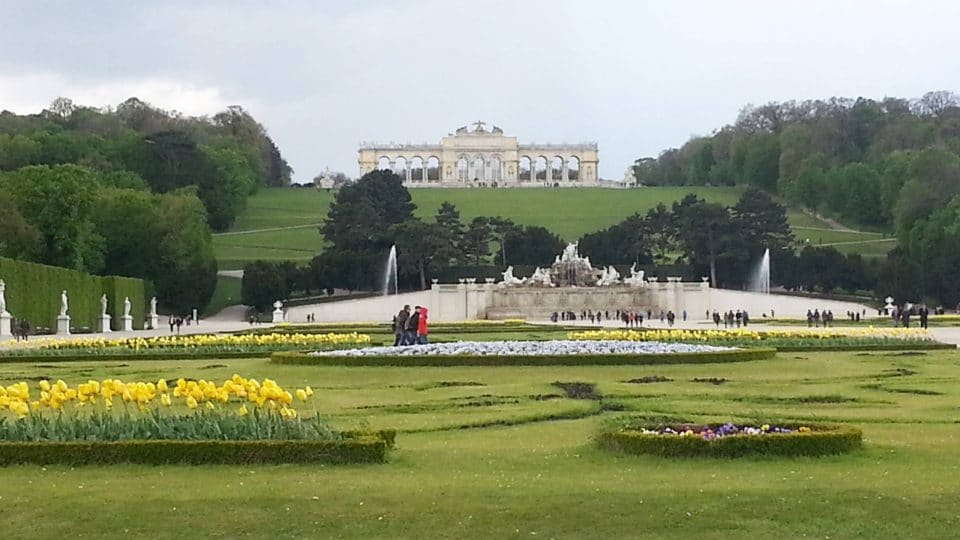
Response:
column 390, row 272
column 760, row 277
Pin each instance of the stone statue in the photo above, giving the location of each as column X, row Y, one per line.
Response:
column 541, row 278
column 497, row 130
column 126, row 306
column 570, row 253
column 610, row 276
column 277, row 305
column 103, row 305
column 153, row 306
column 462, row 130
column 64, row 304
column 3, row 299
column 509, row 278
column 636, row 277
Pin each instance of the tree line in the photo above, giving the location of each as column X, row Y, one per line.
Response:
column 131, row 191
column 891, row 165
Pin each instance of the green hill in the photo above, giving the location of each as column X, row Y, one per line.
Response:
column 281, row 223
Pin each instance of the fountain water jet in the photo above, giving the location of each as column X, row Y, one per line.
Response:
column 390, row 272
column 760, row 277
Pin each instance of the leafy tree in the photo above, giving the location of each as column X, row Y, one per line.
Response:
column 533, row 246
column 129, row 223
column 708, row 235
column 18, row 239
column 186, row 270
column 762, row 222
column 263, row 284
column 475, row 245
column 362, row 213
column 419, row 245
column 58, row 203
column 451, row 230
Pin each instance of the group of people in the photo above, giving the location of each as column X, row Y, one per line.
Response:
column 410, row 328
column 901, row 315
column 731, row 318
column 629, row 318
column 815, row 317
column 20, row 328
column 176, row 321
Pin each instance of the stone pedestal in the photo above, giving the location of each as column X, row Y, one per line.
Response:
column 154, row 321
column 5, row 328
column 63, row 325
column 278, row 316
column 127, row 323
column 105, row 324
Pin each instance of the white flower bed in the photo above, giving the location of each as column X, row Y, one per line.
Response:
column 528, row 348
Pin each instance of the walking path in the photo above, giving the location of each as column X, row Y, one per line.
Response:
column 271, row 229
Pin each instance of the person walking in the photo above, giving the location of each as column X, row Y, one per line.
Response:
column 410, row 334
column 399, row 326
column 422, row 329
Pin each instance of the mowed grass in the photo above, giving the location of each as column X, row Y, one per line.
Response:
column 537, row 474
column 287, row 218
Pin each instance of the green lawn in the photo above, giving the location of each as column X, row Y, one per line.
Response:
column 568, row 212
column 537, row 478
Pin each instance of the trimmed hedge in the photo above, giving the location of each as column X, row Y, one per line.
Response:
column 823, row 439
column 366, row 449
column 818, row 347
column 33, row 293
column 128, row 357
column 712, row 357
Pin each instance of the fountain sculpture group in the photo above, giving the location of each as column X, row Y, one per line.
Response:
column 570, row 269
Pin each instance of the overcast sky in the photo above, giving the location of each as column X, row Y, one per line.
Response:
column 635, row 76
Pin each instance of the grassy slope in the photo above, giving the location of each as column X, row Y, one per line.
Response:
column 567, row 212
column 537, row 479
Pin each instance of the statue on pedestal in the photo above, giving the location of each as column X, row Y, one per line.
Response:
column 3, row 299
column 153, row 306
column 64, row 304
column 126, row 306
column 103, row 305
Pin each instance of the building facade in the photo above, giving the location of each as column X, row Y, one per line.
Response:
column 480, row 157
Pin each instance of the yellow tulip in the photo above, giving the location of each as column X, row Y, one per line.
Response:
column 242, row 411
column 301, row 394
column 191, row 402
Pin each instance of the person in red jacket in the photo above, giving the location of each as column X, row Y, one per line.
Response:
column 422, row 327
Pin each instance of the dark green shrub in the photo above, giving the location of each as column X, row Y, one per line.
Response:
column 349, row 450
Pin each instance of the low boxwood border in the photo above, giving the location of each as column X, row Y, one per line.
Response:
column 823, row 439
column 711, row 357
column 354, row 447
column 819, row 347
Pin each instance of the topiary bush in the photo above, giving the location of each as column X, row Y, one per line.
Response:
column 688, row 440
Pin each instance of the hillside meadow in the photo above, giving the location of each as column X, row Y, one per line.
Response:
column 281, row 223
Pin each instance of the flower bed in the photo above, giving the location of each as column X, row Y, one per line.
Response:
column 536, row 353
column 192, row 344
column 238, row 421
column 730, row 440
column 793, row 339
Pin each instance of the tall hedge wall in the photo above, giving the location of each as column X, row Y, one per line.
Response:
column 33, row 293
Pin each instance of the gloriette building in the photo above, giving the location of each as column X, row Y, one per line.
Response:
column 480, row 157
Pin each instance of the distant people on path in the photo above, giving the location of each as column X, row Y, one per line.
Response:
column 410, row 328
